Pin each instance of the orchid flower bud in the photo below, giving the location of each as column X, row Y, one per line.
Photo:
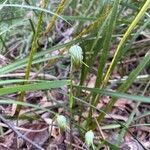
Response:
column 62, row 122
column 89, row 137
column 76, row 55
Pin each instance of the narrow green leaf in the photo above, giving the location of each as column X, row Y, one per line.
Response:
column 123, row 88
column 35, row 86
column 33, row 8
column 106, row 46
column 116, row 94
column 118, row 52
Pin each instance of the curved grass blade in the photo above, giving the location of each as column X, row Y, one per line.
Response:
column 34, row 8
column 124, row 87
column 118, row 52
column 6, row 82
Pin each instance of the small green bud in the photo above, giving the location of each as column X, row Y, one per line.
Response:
column 62, row 122
column 89, row 137
column 76, row 55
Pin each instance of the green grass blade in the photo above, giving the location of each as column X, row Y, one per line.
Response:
column 33, row 8
column 118, row 52
column 106, row 46
column 123, row 88
column 35, row 86
column 23, row 62
column 133, row 75
column 116, row 94
column 94, row 48
column 11, row 81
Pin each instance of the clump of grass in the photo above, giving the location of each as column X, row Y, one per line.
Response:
column 101, row 37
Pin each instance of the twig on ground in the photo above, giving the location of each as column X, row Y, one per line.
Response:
column 74, row 145
column 101, row 132
column 19, row 134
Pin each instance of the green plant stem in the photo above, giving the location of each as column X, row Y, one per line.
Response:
column 71, row 101
column 33, row 51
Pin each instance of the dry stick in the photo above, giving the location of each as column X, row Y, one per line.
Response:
column 24, row 129
column 100, row 130
column 19, row 134
column 74, row 145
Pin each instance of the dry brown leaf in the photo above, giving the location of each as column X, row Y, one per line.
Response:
column 91, row 81
column 131, row 145
column 8, row 141
column 39, row 137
